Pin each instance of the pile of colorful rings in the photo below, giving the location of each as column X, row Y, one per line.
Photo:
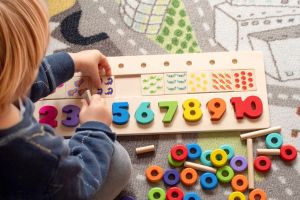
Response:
column 222, row 159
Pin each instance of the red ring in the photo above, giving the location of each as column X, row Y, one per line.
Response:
column 182, row 156
column 258, row 163
column 288, row 153
column 174, row 190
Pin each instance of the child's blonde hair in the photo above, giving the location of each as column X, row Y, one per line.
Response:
column 24, row 36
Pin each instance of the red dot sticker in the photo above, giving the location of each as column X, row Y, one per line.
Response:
column 249, row 74
column 243, row 73
column 250, row 85
column 243, row 77
column 237, row 80
column 244, row 88
column 236, row 74
column 244, row 82
column 237, row 86
column 250, row 79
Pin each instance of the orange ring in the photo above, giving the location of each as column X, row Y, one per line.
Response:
column 235, row 183
column 185, row 179
column 154, row 173
column 258, row 192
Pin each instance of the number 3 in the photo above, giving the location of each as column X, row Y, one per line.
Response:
column 72, row 112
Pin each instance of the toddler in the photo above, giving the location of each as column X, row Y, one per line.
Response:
column 34, row 163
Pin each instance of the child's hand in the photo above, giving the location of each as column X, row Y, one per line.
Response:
column 95, row 111
column 91, row 63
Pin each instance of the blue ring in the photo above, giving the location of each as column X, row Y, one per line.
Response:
column 195, row 147
column 168, row 181
column 191, row 196
column 213, row 183
column 229, row 150
column 204, row 160
column 270, row 144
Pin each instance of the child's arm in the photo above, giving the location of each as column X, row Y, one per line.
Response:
column 60, row 67
column 81, row 169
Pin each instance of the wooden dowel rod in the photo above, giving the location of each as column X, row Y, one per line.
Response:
column 259, row 133
column 268, row 152
column 250, row 163
column 200, row 167
column 146, row 149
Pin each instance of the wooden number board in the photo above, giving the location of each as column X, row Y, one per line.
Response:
column 158, row 94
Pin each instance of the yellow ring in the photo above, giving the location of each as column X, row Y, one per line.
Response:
column 236, row 195
column 218, row 158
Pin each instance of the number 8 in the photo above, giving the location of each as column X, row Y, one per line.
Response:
column 192, row 111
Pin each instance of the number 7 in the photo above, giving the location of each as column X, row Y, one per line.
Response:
column 171, row 107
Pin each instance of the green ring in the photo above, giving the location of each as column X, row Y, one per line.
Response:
column 174, row 163
column 225, row 179
column 154, row 191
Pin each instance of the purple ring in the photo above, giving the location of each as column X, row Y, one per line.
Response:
column 238, row 168
column 171, row 177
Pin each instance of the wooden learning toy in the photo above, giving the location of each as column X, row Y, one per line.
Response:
column 229, row 150
column 175, row 193
column 179, row 153
column 171, row 177
column 250, row 163
column 274, row 141
column 145, row 149
column 208, row 181
column 257, row 194
column 88, row 95
column 191, row 196
column 236, row 196
column 174, row 163
column 218, row 158
column 239, row 183
column 238, row 163
column 194, row 151
column 225, row 174
column 214, row 92
column 200, row 167
column 262, row 164
column 154, row 173
column 259, row 133
column 287, row 152
column 188, row 176
column 205, row 158
column 156, row 193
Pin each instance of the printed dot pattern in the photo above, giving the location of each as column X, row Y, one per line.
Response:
column 198, row 82
column 244, row 80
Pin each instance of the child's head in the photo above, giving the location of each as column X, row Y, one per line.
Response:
column 24, row 38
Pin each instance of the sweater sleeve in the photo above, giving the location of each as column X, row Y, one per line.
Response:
column 54, row 70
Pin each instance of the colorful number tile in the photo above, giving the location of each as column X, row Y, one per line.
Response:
column 221, row 81
column 107, row 88
column 59, row 93
column 152, row 84
column 175, row 83
column 76, row 87
column 244, row 80
column 198, row 82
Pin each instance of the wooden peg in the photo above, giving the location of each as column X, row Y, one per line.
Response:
column 200, row 167
column 259, row 133
column 250, row 163
column 145, row 149
column 268, row 152
column 88, row 95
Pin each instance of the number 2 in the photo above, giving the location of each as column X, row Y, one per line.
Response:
column 120, row 113
column 72, row 119
column 49, row 114
column 171, row 107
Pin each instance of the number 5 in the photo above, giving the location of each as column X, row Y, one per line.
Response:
column 120, row 113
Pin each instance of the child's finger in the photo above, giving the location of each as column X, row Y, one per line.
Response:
column 84, row 104
column 105, row 65
column 96, row 80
